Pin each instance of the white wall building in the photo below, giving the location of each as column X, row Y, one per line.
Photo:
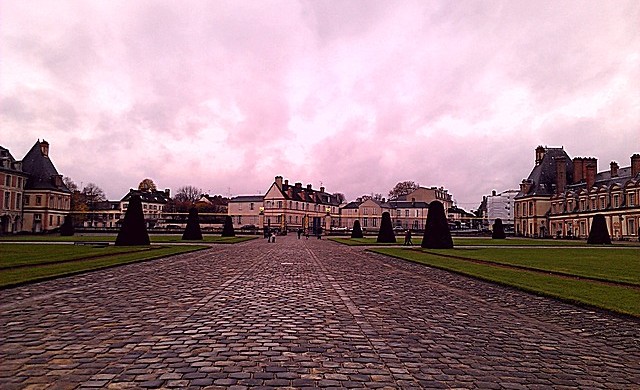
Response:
column 501, row 206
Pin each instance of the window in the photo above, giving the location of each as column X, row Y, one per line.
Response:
column 632, row 199
column 593, row 204
column 50, row 220
column 615, row 201
column 632, row 227
column 239, row 219
column 251, row 206
column 19, row 201
column 375, row 222
column 279, row 204
column 530, row 208
column 602, row 202
column 406, row 213
column 125, row 205
column 7, row 180
column 37, row 217
column 365, row 210
column 364, row 222
column 583, row 204
column 397, row 213
column 27, row 199
column 19, row 182
column 290, row 204
column 38, row 200
column 296, row 205
column 6, row 199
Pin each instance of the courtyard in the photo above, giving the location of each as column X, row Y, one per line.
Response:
column 303, row 313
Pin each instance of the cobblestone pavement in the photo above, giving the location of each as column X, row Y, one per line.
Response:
column 302, row 313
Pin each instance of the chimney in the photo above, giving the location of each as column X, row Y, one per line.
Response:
column 286, row 182
column 44, row 148
column 493, row 193
column 525, row 186
column 614, row 168
column 298, row 185
column 321, row 189
column 578, row 169
column 561, row 174
column 279, row 181
column 167, row 192
column 635, row 164
column 539, row 154
column 591, row 165
column 308, row 186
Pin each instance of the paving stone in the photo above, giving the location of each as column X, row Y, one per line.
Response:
column 303, row 313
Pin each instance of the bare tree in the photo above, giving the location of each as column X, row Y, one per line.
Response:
column 402, row 188
column 340, row 196
column 71, row 185
column 93, row 193
column 147, row 185
column 188, row 194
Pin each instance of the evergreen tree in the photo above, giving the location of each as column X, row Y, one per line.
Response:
column 227, row 230
column 386, row 234
column 67, row 228
column 599, row 234
column 357, row 230
column 192, row 231
column 436, row 231
column 498, row 230
column 133, row 230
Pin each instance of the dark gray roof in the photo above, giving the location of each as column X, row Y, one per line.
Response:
column 404, row 204
column 42, row 173
column 147, row 196
column 604, row 179
column 543, row 175
column 352, row 205
column 8, row 163
column 247, row 198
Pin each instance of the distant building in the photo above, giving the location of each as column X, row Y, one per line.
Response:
column 428, row 195
column 501, row 206
column 47, row 200
column 561, row 196
column 12, row 181
column 287, row 207
column 154, row 205
column 245, row 210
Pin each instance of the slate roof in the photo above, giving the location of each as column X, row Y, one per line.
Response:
column 8, row 163
column 543, row 175
column 147, row 197
column 604, row 179
column 304, row 194
column 408, row 205
column 247, row 198
column 41, row 171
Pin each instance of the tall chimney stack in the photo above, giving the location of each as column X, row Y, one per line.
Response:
column 635, row 164
column 539, row 154
column 591, row 168
column 578, row 169
column 279, row 181
column 614, row 169
column 561, row 174
column 44, row 148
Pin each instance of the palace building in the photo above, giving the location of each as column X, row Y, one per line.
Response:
column 561, row 196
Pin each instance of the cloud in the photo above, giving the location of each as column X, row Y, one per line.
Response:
column 357, row 95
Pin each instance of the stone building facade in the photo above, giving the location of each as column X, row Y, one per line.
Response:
column 561, row 196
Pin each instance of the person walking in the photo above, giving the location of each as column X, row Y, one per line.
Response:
column 299, row 233
column 407, row 238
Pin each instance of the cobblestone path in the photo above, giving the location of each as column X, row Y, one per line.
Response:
column 303, row 313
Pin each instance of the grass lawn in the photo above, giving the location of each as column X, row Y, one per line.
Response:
column 465, row 241
column 602, row 263
column 22, row 263
column 155, row 238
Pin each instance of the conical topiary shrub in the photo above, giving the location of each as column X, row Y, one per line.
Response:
column 357, row 230
column 67, row 228
column 386, row 234
column 133, row 230
column 599, row 234
column 498, row 230
column 192, row 231
column 436, row 230
column 227, row 230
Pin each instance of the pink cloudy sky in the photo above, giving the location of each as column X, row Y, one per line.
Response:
column 357, row 95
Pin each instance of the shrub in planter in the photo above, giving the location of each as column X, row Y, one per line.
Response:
column 67, row 228
column 498, row 230
column 192, row 231
column 599, row 234
column 227, row 230
column 386, row 235
column 436, row 231
column 357, row 230
column 133, row 230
